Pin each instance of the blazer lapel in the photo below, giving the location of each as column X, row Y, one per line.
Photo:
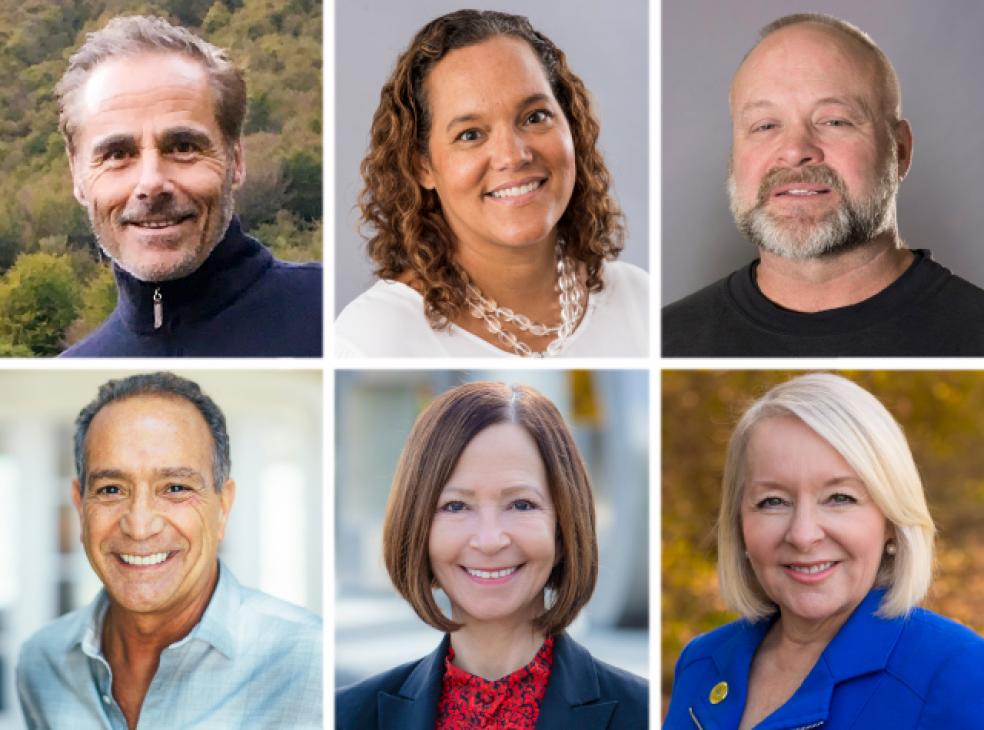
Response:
column 571, row 700
column 414, row 707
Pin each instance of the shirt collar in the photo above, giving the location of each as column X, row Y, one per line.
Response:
column 218, row 626
column 235, row 263
column 862, row 645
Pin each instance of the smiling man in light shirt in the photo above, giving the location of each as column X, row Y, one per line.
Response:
column 819, row 148
column 172, row 641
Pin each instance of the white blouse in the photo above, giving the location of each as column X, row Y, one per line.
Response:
column 388, row 320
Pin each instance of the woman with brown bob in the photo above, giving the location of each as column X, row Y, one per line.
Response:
column 492, row 504
column 491, row 225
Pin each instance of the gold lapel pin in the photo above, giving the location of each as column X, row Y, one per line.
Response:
column 719, row 692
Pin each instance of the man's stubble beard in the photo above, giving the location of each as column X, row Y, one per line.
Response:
column 851, row 224
column 215, row 227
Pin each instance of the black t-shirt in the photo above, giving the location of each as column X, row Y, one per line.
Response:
column 926, row 312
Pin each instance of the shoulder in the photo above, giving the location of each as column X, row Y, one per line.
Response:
column 355, row 704
column 385, row 320
column 705, row 645
column 932, row 646
column 585, row 679
column 107, row 339
column 624, row 277
column 942, row 662
column 303, row 279
column 694, row 308
column 44, row 652
column 616, row 683
column 280, row 621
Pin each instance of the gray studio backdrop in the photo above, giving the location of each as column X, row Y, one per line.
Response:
column 606, row 45
column 937, row 51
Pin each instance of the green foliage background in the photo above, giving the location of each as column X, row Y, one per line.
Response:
column 942, row 414
column 43, row 229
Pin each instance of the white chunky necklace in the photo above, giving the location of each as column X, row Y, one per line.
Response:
column 571, row 306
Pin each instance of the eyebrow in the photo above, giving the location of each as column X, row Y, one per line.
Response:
column 169, row 472
column 835, row 481
column 173, row 136
column 472, row 116
column 169, row 138
column 114, row 142
column 849, row 101
column 505, row 492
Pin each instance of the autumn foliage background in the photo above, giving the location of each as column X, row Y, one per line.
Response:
column 55, row 286
column 942, row 414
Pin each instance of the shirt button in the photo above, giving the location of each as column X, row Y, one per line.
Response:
column 107, row 700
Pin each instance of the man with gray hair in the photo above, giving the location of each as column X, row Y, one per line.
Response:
column 172, row 640
column 152, row 117
column 819, row 148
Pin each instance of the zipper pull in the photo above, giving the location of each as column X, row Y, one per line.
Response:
column 158, row 309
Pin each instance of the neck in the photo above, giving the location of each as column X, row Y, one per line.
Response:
column 495, row 650
column 836, row 280
column 136, row 638
column 798, row 639
column 522, row 279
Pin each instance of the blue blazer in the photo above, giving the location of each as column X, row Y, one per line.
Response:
column 920, row 671
column 582, row 693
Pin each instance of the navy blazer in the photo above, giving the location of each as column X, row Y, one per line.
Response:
column 920, row 671
column 582, row 693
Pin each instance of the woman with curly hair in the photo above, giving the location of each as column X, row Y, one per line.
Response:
column 492, row 228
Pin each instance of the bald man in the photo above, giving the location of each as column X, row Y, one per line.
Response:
column 819, row 149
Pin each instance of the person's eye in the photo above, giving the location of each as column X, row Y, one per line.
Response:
column 108, row 490
column 469, row 135
column 454, row 506
column 770, row 503
column 523, row 505
column 841, row 498
column 539, row 117
column 177, row 488
column 837, row 123
column 764, row 127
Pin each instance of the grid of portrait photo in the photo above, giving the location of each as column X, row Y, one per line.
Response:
column 374, row 365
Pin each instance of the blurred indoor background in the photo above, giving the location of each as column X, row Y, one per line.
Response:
column 608, row 413
column 273, row 539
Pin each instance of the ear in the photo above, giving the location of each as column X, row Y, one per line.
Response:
column 238, row 165
column 77, row 190
column 423, row 172
column 77, row 501
column 226, row 499
column 903, row 146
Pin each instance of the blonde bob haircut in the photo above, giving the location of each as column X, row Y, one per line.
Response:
column 436, row 442
column 864, row 433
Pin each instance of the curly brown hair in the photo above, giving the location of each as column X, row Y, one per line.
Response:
column 409, row 230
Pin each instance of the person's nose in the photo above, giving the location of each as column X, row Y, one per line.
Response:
column 153, row 180
column 142, row 520
column 510, row 149
column 490, row 535
column 805, row 529
column 799, row 146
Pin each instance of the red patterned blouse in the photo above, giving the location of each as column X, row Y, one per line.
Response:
column 509, row 703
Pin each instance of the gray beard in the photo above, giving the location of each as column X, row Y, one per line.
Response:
column 852, row 224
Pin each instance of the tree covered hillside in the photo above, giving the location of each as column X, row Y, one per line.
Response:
column 54, row 288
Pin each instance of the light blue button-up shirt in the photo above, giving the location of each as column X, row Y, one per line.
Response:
column 252, row 661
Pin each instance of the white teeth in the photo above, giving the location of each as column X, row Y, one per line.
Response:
column 809, row 570
column 802, row 192
column 516, row 191
column 143, row 559
column 157, row 224
column 491, row 573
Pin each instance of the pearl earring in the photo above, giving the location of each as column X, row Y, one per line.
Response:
column 890, row 548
